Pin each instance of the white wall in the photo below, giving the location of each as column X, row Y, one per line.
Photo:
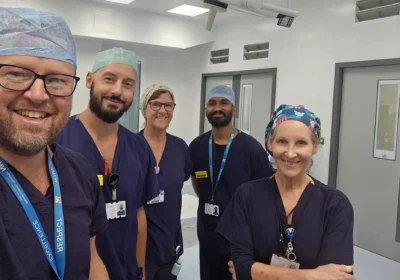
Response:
column 86, row 54
column 325, row 33
column 108, row 21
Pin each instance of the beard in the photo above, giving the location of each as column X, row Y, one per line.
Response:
column 222, row 120
column 30, row 140
column 110, row 114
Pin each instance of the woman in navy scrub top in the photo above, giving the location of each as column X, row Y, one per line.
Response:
column 164, row 241
column 290, row 226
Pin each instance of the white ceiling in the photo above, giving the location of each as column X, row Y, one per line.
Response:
column 162, row 7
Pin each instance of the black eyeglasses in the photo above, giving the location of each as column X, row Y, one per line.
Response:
column 168, row 106
column 17, row 78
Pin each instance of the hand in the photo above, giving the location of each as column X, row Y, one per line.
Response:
column 232, row 270
column 332, row 272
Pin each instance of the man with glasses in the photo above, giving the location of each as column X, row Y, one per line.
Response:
column 122, row 160
column 51, row 208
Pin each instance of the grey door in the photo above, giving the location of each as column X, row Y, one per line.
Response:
column 254, row 108
column 372, row 184
column 210, row 83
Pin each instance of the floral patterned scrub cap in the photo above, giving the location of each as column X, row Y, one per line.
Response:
column 291, row 112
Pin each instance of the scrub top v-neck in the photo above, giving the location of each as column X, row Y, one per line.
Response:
column 164, row 219
column 323, row 220
column 137, row 184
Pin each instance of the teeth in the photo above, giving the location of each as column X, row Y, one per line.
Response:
column 290, row 162
column 31, row 114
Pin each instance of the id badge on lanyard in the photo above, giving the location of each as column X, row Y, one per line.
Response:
column 289, row 261
column 57, row 260
column 211, row 208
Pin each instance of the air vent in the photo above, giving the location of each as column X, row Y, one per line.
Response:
column 256, row 51
column 374, row 9
column 219, row 56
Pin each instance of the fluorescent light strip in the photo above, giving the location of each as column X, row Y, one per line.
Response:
column 121, row 1
column 189, row 10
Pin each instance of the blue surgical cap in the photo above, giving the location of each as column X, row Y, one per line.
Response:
column 115, row 55
column 30, row 32
column 221, row 91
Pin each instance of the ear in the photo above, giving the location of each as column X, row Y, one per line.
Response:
column 234, row 111
column 315, row 149
column 89, row 80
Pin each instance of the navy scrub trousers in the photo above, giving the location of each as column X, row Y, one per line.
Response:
column 162, row 272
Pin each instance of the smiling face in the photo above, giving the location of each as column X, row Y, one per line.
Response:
column 157, row 115
column 30, row 119
column 219, row 111
column 293, row 146
column 112, row 89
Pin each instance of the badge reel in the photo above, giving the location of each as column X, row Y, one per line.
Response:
column 290, row 260
column 115, row 209
column 178, row 264
column 113, row 180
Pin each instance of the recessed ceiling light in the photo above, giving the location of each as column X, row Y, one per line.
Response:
column 189, row 10
column 121, row 1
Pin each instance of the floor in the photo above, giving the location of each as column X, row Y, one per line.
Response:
column 368, row 266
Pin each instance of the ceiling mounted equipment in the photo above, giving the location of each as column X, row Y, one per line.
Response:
column 259, row 8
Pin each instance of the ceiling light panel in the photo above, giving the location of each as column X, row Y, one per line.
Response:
column 189, row 10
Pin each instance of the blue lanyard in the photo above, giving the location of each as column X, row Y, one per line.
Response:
column 57, row 262
column 210, row 161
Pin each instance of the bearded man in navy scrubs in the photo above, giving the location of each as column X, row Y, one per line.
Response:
column 222, row 159
column 123, row 161
column 51, row 208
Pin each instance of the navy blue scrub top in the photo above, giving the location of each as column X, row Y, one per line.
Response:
column 133, row 162
column 323, row 220
column 164, row 232
column 247, row 160
column 21, row 255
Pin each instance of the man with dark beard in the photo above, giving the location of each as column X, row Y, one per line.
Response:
column 122, row 160
column 222, row 159
column 51, row 208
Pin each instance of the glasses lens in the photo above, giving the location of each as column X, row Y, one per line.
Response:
column 169, row 107
column 15, row 78
column 155, row 106
column 61, row 85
